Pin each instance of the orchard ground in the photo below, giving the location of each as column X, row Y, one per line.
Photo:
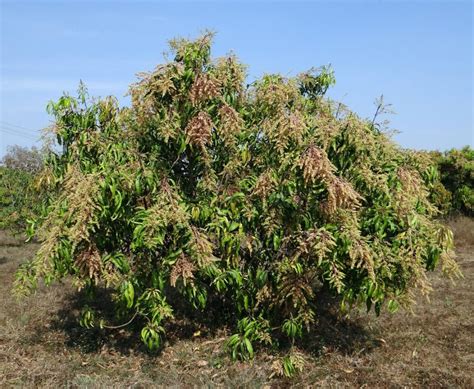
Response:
column 42, row 345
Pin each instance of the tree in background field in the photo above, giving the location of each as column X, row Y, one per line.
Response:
column 29, row 160
column 457, row 175
column 20, row 199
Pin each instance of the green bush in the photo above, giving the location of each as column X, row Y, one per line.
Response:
column 20, row 199
column 456, row 169
column 252, row 197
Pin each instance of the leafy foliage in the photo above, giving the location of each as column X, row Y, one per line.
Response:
column 456, row 169
column 20, row 198
column 255, row 196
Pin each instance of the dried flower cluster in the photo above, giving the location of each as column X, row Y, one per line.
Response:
column 183, row 269
column 199, row 130
column 204, row 88
column 316, row 165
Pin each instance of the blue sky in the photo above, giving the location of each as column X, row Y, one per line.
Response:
column 417, row 53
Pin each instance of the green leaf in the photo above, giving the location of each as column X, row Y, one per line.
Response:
column 249, row 347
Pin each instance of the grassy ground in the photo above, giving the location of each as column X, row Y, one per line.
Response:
column 41, row 344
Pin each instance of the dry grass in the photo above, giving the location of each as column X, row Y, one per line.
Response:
column 41, row 344
column 463, row 229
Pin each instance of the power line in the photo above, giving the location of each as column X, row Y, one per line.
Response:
column 21, row 136
column 17, row 126
column 27, row 132
column 18, row 133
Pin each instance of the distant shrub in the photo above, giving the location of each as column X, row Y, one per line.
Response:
column 456, row 169
column 20, row 199
column 250, row 197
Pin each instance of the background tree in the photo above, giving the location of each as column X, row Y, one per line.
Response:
column 29, row 160
column 457, row 175
column 20, row 199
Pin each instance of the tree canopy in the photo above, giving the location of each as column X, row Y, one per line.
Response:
column 250, row 196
